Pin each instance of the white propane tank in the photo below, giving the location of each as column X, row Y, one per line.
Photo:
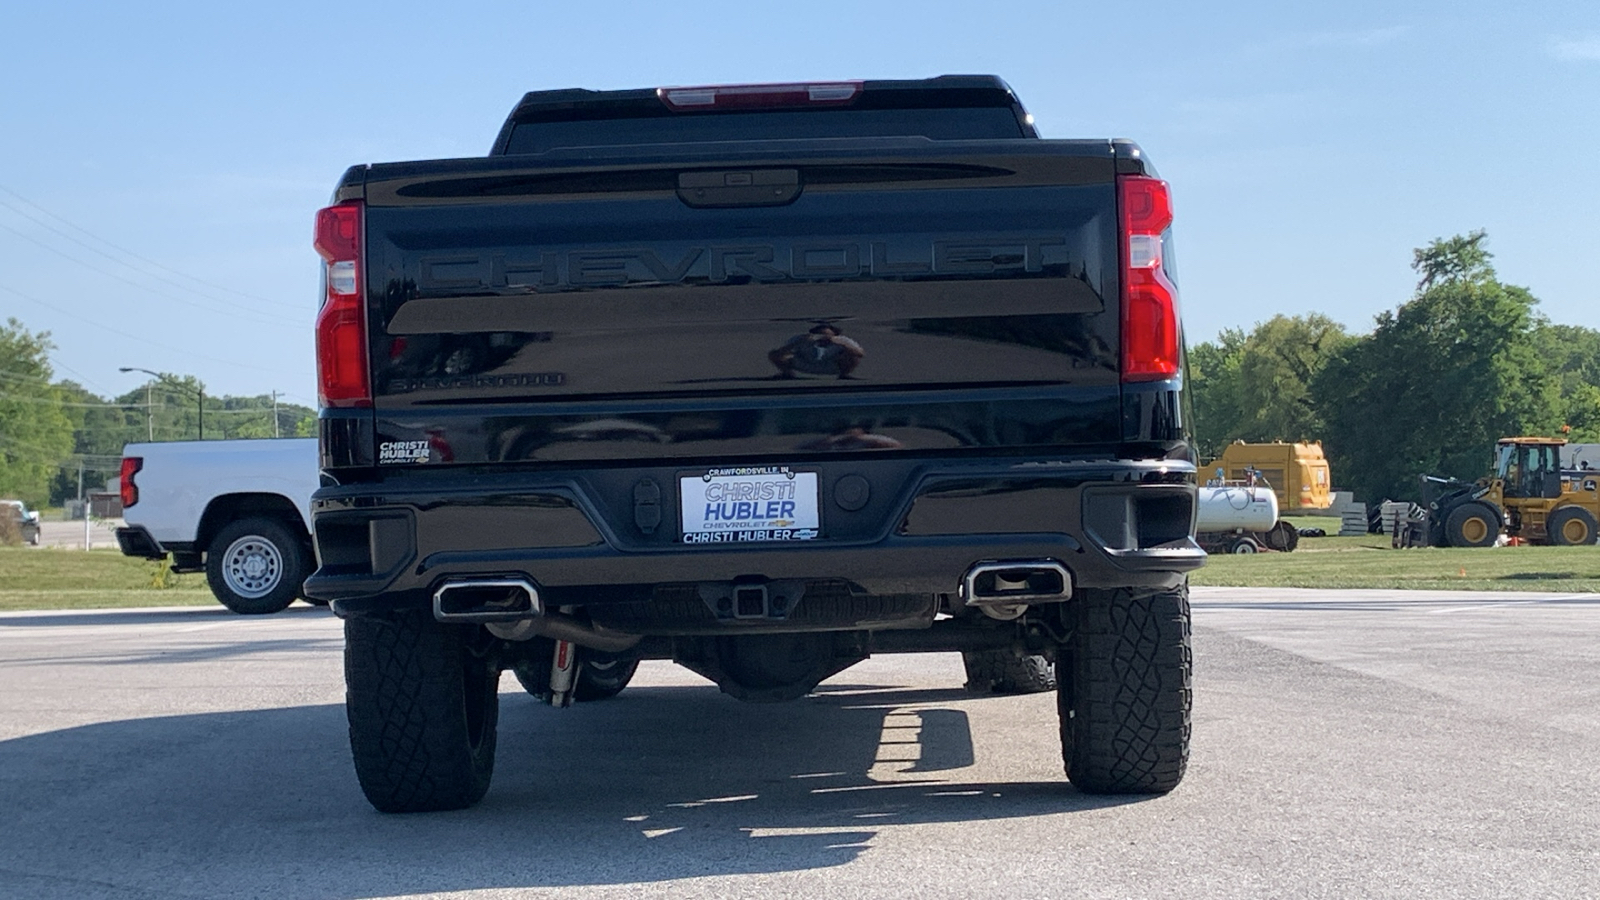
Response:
column 1236, row 508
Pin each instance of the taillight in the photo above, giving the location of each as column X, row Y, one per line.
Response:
column 342, row 378
column 1150, row 340
column 747, row 96
column 130, row 491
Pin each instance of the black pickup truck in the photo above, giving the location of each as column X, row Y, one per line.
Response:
column 761, row 379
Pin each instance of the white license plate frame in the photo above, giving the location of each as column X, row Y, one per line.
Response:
column 749, row 504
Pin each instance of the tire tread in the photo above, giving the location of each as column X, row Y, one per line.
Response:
column 408, row 729
column 1126, row 708
column 1007, row 672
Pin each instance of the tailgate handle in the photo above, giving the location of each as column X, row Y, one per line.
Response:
column 739, row 187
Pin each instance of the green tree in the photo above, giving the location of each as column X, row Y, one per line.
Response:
column 35, row 430
column 175, row 413
column 1459, row 258
column 1257, row 387
column 99, row 431
column 1215, row 392
column 1439, row 379
column 1574, row 354
column 174, row 408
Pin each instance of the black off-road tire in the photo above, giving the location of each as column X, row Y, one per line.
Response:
column 281, row 555
column 423, row 708
column 1125, row 693
column 1472, row 525
column 1570, row 526
column 1008, row 672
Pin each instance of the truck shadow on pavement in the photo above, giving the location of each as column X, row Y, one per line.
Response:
column 659, row 784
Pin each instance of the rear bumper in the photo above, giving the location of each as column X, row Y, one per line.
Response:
column 136, row 540
column 1111, row 523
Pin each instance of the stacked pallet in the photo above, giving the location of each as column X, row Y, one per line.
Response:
column 1352, row 514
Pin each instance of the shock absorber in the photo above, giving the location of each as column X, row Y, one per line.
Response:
column 563, row 671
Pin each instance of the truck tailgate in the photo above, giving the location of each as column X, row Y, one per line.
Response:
column 944, row 296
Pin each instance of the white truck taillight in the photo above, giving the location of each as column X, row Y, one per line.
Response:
column 342, row 378
column 129, row 491
column 1150, row 339
column 760, row 96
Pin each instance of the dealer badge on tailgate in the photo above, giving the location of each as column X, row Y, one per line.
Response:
column 756, row 503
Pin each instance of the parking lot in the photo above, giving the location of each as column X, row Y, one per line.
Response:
column 70, row 533
column 1347, row 744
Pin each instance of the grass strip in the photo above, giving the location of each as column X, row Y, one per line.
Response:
column 47, row 578
column 1368, row 562
column 58, row 578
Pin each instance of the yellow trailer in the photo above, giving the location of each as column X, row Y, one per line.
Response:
column 1297, row 472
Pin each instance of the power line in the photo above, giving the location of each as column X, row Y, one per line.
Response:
column 96, row 250
column 134, row 337
column 81, row 230
column 7, row 439
column 28, row 379
column 14, row 398
column 258, row 317
column 85, row 379
column 46, row 382
column 265, row 406
column 256, row 410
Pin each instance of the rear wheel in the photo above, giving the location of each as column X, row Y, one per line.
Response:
column 1008, row 672
column 1570, row 526
column 423, row 707
column 1244, row 545
column 1472, row 525
column 1125, row 692
column 255, row 566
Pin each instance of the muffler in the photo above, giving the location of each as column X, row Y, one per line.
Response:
column 510, row 609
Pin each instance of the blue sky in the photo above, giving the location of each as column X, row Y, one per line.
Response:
column 1309, row 149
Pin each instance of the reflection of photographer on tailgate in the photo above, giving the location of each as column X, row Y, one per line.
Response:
column 821, row 351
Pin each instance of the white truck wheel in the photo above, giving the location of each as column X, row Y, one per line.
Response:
column 255, row 566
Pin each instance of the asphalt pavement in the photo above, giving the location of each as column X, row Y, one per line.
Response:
column 1346, row 744
column 71, row 533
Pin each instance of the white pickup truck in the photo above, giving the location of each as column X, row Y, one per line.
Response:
column 236, row 510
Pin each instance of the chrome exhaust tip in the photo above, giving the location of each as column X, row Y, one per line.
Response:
column 1016, row 581
column 486, row 600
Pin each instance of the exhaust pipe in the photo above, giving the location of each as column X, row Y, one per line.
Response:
column 1015, row 583
column 510, row 608
column 562, row 627
column 486, row 600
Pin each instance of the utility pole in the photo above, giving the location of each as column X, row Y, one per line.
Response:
column 200, row 395
column 275, row 415
column 149, row 415
column 83, row 502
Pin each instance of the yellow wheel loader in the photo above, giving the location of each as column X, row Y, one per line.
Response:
column 1529, row 496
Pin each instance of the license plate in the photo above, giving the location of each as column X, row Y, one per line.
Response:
column 758, row 503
